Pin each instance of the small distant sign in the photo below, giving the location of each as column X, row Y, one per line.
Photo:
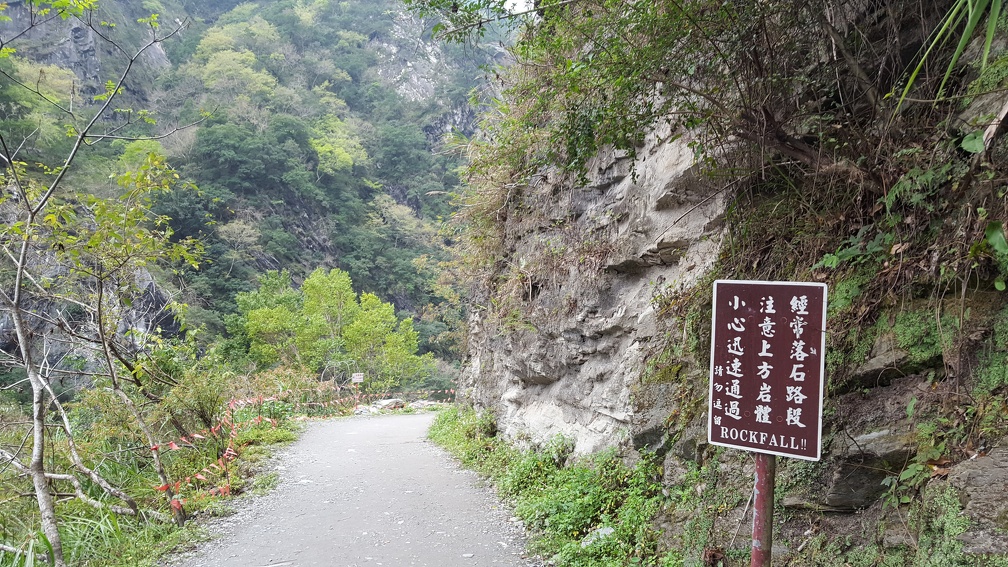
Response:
column 357, row 377
column 768, row 342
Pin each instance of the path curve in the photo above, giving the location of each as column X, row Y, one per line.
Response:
column 367, row 492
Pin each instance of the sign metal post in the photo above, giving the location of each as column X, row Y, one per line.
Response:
column 763, row 497
column 768, row 342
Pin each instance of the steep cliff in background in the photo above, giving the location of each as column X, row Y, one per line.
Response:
column 592, row 284
column 70, row 44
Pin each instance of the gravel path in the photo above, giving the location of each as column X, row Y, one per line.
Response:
column 367, row 492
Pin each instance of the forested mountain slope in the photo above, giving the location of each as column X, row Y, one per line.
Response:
column 313, row 131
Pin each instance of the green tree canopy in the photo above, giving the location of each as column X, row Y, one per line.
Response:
column 325, row 326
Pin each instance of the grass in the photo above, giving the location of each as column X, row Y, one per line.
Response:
column 93, row 538
column 581, row 512
column 264, row 483
column 935, row 522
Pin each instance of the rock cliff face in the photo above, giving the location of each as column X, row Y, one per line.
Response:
column 79, row 49
column 573, row 370
column 418, row 68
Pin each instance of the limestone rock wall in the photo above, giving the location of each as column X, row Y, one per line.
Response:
column 71, row 44
column 571, row 369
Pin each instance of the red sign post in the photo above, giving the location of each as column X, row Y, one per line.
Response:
column 768, row 342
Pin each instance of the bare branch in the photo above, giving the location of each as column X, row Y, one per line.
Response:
column 75, row 456
column 12, row 459
column 8, row 549
column 10, row 159
column 838, row 41
column 18, row 185
column 14, row 385
column 121, row 510
column 32, row 24
column 36, row 90
column 101, row 137
column 27, row 274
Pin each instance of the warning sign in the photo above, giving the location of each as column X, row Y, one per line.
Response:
column 357, row 377
column 768, row 343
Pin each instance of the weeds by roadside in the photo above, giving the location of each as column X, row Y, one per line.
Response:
column 594, row 512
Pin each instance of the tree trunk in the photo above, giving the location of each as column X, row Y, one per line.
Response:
column 47, row 507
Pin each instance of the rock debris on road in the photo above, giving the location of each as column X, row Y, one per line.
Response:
column 367, row 492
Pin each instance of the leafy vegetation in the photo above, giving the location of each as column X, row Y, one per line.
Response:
column 324, row 328
column 300, row 143
column 310, row 158
column 595, row 511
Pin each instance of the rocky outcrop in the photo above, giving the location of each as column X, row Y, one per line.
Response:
column 578, row 361
column 572, row 371
column 75, row 49
column 981, row 483
column 145, row 312
column 79, row 48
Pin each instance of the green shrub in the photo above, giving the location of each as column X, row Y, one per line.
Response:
column 593, row 512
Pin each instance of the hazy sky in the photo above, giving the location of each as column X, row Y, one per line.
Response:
column 519, row 5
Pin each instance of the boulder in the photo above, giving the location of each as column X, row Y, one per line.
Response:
column 886, row 362
column 869, row 458
column 982, row 483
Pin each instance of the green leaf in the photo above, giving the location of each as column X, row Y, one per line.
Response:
column 999, row 284
column 973, row 142
column 992, row 20
column 51, row 555
column 996, row 237
column 976, row 11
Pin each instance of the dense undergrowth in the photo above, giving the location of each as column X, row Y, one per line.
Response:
column 233, row 427
column 211, row 466
column 595, row 511
column 598, row 510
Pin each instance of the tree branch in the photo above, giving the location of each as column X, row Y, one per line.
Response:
column 8, row 549
column 83, row 134
column 838, row 41
column 121, row 510
column 36, row 91
column 75, row 456
column 13, row 460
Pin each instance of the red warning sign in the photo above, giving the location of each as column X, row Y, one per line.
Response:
column 768, row 342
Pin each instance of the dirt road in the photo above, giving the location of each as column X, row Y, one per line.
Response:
column 367, row 492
